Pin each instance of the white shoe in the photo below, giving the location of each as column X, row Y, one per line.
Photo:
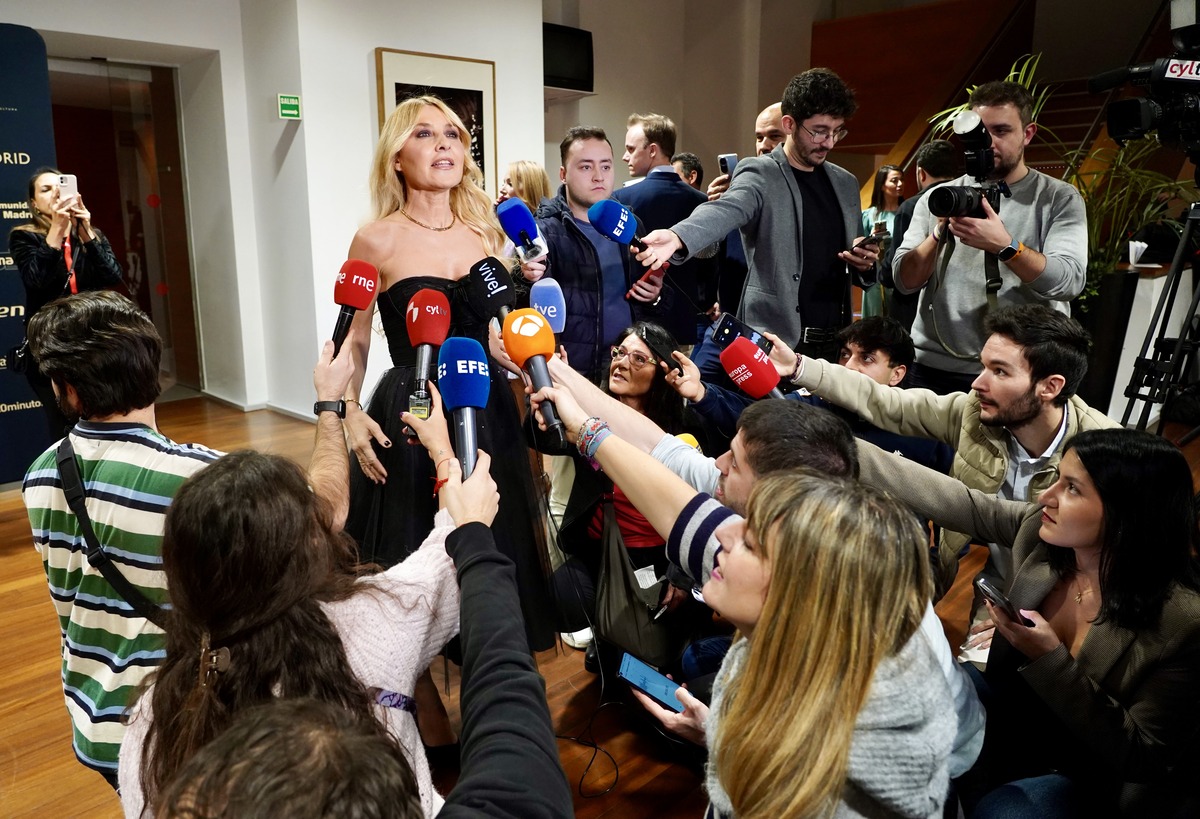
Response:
column 577, row 639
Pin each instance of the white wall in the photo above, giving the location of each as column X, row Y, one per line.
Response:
column 272, row 206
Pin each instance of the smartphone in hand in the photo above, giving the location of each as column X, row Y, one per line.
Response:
column 651, row 683
column 728, row 328
column 68, row 186
column 727, row 162
column 996, row 597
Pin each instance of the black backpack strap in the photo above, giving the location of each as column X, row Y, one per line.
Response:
column 72, row 485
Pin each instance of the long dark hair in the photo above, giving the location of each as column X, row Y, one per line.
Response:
column 662, row 404
column 1149, row 537
column 878, row 200
column 248, row 554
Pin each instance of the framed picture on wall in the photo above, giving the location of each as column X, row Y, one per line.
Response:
column 468, row 86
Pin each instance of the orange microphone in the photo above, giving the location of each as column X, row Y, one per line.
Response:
column 529, row 341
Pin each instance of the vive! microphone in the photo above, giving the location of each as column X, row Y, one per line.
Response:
column 490, row 290
column 546, row 296
column 427, row 318
column 465, row 383
column 529, row 341
column 750, row 368
column 517, row 221
column 356, row 284
column 615, row 221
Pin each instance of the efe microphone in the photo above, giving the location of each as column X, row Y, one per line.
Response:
column 750, row 368
column 356, row 284
column 529, row 341
column 519, row 226
column 465, row 384
column 615, row 221
column 427, row 318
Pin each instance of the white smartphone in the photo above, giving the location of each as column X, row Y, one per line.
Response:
column 68, row 186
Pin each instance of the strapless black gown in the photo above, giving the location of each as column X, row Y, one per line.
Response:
column 390, row 521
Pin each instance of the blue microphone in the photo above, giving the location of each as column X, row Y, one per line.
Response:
column 519, row 227
column 465, row 383
column 546, row 296
column 615, row 221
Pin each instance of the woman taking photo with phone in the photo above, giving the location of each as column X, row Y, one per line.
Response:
column 1092, row 709
column 58, row 253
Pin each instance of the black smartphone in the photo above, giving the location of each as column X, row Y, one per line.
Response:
column 727, row 162
column 661, row 353
column 654, row 685
column 997, row 599
column 873, row 239
column 728, row 328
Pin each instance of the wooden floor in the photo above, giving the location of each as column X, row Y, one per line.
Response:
column 40, row 777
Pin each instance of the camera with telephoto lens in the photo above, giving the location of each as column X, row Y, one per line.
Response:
column 980, row 159
column 1171, row 106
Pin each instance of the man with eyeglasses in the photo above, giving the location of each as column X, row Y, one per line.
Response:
column 799, row 220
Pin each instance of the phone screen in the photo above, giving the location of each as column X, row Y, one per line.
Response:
column 660, row 353
column 654, row 685
column 728, row 328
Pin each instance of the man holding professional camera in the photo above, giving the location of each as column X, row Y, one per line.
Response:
column 1030, row 249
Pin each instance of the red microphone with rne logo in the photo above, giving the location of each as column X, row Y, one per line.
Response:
column 427, row 319
column 750, row 368
column 354, row 289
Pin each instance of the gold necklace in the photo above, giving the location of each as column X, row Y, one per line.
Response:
column 1079, row 594
column 453, row 219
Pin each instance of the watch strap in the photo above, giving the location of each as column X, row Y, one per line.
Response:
column 338, row 406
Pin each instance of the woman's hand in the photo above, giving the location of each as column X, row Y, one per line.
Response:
column 61, row 220
column 569, row 411
column 782, row 356
column 1033, row 641
column 83, row 217
column 498, row 353
column 432, row 431
column 980, row 635
column 474, row 500
column 688, row 724
column 687, row 383
column 361, row 430
column 532, row 271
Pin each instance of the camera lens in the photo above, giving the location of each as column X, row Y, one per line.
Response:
column 954, row 200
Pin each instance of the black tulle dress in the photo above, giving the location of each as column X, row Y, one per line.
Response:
column 390, row 521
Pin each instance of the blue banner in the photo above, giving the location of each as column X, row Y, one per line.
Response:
column 26, row 143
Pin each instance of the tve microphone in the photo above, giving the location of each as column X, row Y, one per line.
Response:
column 356, row 284
column 427, row 318
column 529, row 341
column 517, row 221
column 490, row 290
column 465, row 383
column 615, row 221
column 546, row 296
column 750, row 368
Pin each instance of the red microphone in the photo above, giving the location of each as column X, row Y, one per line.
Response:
column 750, row 368
column 427, row 318
column 354, row 289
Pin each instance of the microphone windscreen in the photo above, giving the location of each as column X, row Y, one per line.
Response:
column 613, row 220
column 515, row 216
column 749, row 367
column 356, row 284
column 463, row 376
column 489, row 287
column 546, row 296
column 427, row 317
column 527, row 333
column 689, row 439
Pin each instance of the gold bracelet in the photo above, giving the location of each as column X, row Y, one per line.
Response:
column 353, row 401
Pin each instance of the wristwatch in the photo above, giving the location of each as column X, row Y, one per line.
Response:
column 1010, row 251
column 338, row 406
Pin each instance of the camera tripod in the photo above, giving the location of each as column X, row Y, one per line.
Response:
column 1158, row 379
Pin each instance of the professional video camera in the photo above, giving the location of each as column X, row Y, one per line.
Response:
column 964, row 200
column 1172, row 102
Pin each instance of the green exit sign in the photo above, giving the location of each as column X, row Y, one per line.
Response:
column 289, row 106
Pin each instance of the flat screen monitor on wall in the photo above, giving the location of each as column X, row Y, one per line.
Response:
column 567, row 57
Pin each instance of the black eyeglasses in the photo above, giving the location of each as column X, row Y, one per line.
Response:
column 636, row 360
column 823, row 135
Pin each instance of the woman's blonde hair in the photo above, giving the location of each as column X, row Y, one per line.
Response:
column 849, row 582
column 529, row 182
column 389, row 191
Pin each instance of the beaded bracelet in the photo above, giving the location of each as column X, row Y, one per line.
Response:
column 591, row 433
column 795, row 376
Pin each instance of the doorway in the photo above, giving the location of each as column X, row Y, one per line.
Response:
column 116, row 127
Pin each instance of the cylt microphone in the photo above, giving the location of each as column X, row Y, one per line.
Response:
column 427, row 318
column 490, row 290
column 529, row 341
column 465, row 384
column 546, row 296
column 615, row 221
column 519, row 226
column 356, row 284
column 750, row 368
